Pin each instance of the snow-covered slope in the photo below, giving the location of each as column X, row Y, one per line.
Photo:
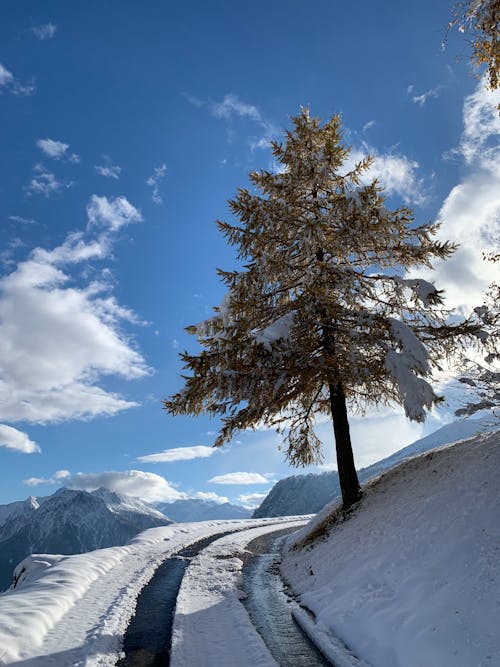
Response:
column 307, row 494
column 70, row 522
column 194, row 509
column 412, row 577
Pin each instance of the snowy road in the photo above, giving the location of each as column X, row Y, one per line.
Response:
column 148, row 636
column 74, row 610
column 211, row 626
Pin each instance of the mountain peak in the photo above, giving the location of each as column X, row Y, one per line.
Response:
column 70, row 521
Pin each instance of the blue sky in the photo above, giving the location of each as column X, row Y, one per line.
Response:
column 125, row 130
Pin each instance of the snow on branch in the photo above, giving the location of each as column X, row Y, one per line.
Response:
column 415, row 392
column 423, row 290
column 277, row 330
column 412, row 347
column 204, row 329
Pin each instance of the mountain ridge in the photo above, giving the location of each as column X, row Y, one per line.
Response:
column 71, row 521
column 196, row 509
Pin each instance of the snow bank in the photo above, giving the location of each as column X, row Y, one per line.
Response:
column 211, row 626
column 75, row 609
column 412, row 577
column 32, row 566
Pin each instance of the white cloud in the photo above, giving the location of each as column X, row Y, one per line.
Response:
column 23, row 90
column 210, row 495
column 146, row 485
column 44, row 31
column 75, row 248
column 56, row 150
column 37, row 481
column 422, row 99
column 232, row 105
column 21, row 220
column 262, row 142
column 11, row 84
column 195, row 101
column 396, row 172
column 470, row 214
column 45, row 182
column 252, row 500
column 58, row 339
column 109, row 171
column 59, row 477
column 112, row 213
column 178, row 454
column 52, row 148
column 479, row 143
column 14, row 439
column 6, row 77
column 6, row 255
column 368, row 125
column 154, row 182
column 240, row 478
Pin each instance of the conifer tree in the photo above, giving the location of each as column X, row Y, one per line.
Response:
column 320, row 316
column 480, row 21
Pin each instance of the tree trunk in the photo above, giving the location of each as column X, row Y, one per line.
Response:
column 348, row 477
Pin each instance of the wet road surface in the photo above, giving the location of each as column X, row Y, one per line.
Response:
column 269, row 606
column 148, row 636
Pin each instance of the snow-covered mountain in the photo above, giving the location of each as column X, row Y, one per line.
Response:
column 70, row 522
column 125, row 505
column 18, row 508
column 307, row 494
column 193, row 509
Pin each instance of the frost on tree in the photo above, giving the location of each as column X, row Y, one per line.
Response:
column 320, row 316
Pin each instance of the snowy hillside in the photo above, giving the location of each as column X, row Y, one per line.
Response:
column 194, row 509
column 70, row 522
column 412, row 577
column 307, row 494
